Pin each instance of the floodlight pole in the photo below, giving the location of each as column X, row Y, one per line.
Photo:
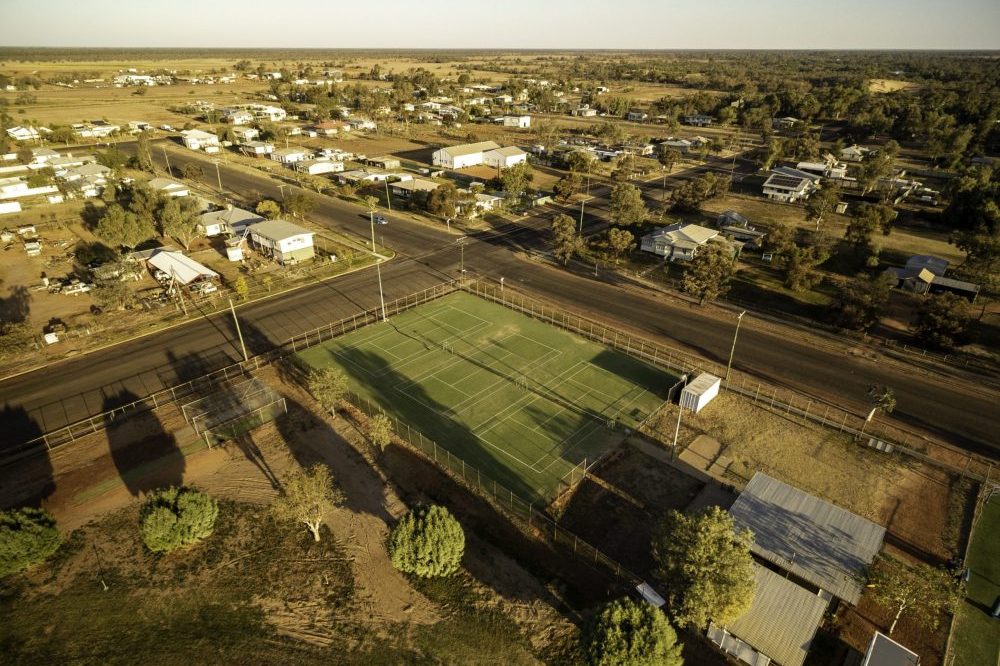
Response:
column 680, row 411
column 238, row 331
column 381, row 298
column 732, row 350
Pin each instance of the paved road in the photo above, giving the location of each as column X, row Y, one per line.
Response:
column 80, row 387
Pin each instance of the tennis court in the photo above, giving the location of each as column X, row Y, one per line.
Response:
column 518, row 399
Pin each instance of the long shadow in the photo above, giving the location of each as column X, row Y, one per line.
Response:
column 29, row 480
column 146, row 456
column 15, row 308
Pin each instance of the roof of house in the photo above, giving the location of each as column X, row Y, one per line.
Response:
column 684, row 235
column 935, row 265
column 85, row 170
column 883, row 651
column 165, row 184
column 733, row 217
column 508, row 151
column 818, row 541
column 417, row 184
column 277, row 230
column 291, row 150
column 231, row 216
column 181, row 267
column 470, row 148
column 198, row 134
column 782, row 619
column 783, row 182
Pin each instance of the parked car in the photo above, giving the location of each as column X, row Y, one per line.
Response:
column 203, row 288
column 381, row 220
column 77, row 287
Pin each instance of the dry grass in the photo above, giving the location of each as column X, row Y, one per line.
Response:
column 890, row 85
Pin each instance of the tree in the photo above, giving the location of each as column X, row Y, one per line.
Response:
column 427, row 542
column 113, row 294
column 298, row 205
column 568, row 185
column 442, row 201
column 620, row 241
column 241, row 288
column 859, row 304
column 192, row 171
column 328, row 386
column 627, row 206
column 800, row 266
column 920, row 591
column 943, row 321
column 176, row 517
column 875, row 169
column 707, row 276
column 780, row 238
column 669, row 157
column 370, row 202
column 268, row 208
column 706, row 565
column 822, row 202
column 380, row 430
column 515, row 180
column 307, row 496
column 144, row 153
column 25, row 155
column 580, row 161
column 178, row 217
column 112, row 158
column 632, row 633
column 866, row 220
column 123, row 228
column 691, row 193
column 565, row 241
column 15, row 338
column 624, row 168
column 27, row 537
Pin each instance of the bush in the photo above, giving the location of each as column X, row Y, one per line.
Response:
column 630, row 633
column 27, row 537
column 427, row 542
column 176, row 517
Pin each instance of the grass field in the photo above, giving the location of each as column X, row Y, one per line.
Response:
column 977, row 635
column 522, row 401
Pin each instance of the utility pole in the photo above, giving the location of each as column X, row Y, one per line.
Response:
column 580, row 231
column 381, row 298
column 238, row 331
column 732, row 350
column 501, row 285
column 218, row 175
column 388, row 201
column 167, row 160
column 371, row 216
column 680, row 411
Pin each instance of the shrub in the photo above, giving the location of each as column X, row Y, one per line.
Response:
column 630, row 633
column 427, row 542
column 176, row 517
column 27, row 537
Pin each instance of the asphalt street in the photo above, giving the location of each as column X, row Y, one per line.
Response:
column 74, row 389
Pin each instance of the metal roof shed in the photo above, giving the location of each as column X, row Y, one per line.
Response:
column 883, row 651
column 779, row 626
column 817, row 541
column 180, row 267
column 700, row 392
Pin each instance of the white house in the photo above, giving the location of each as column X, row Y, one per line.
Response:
column 171, row 188
column 361, row 124
column 677, row 242
column 699, row 120
column 95, row 130
column 196, row 139
column 283, row 241
column 516, row 121
column 226, row 221
column 790, row 185
column 680, row 145
column 237, row 117
column 257, row 148
column 461, row 156
column 501, row 158
column 331, row 127
column 290, row 155
column 22, row 133
column 405, row 189
column 854, row 153
column 828, row 168
column 480, row 202
column 784, row 123
column 316, row 167
column 637, row 116
column 584, row 111
column 245, row 134
column 356, row 176
column 267, row 112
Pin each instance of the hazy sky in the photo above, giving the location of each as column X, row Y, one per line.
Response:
column 556, row 24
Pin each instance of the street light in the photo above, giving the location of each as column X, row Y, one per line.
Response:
column 680, row 411
column 732, row 350
column 501, row 285
column 381, row 297
column 371, row 216
column 218, row 174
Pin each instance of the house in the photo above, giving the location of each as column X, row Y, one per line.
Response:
column 95, row 174
column 405, row 189
column 637, row 116
column 790, row 185
column 883, row 651
column 257, row 148
column 779, row 626
column 171, row 188
column 283, row 241
column 480, row 202
column 854, row 153
column 828, row 168
column 737, row 227
column 683, row 146
column 237, row 117
column 817, row 542
column 362, row 124
column 516, row 121
column 246, row 134
column 925, row 274
column 229, row 220
column 461, row 156
column 41, row 157
column 698, row 120
column 584, row 111
column 265, row 112
column 361, row 176
column 197, row 139
column 135, row 126
column 502, row 158
column 677, row 242
column 290, row 155
column 785, row 123
column 315, row 167
column 180, row 267
column 95, row 130
column 384, row 162
column 331, row 127
column 20, row 133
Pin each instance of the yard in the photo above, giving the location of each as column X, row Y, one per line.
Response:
column 977, row 635
column 521, row 400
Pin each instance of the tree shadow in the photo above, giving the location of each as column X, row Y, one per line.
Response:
column 15, row 308
column 145, row 455
column 28, row 481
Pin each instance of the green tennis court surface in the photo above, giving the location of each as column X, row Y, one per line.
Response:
column 522, row 401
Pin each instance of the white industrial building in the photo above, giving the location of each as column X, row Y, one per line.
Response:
column 462, row 156
column 502, row 158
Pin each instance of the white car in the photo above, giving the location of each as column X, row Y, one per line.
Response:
column 203, row 288
column 77, row 288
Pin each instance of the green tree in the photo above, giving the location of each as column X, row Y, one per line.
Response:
column 919, row 591
column 875, row 169
column 690, row 194
column 328, row 386
column 268, row 208
column 113, row 294
column 822, row 202
column 15, row 338
column 624, row 168
column 178, row 217
column 706, row 564
column 580, row 161
column 565, row 241
column 144, row 153
column 241, row 288
column 192, row 171
column 427, row 542
column 298, row 205
column 943, row 321
column 627, row 206
column 307, row 496
column 176, row 517
column 515, row 180
column 112, row 158
column 632, row 633
column 27, row 537
column 379, row 431
column 860, row 301
column 442, row 201
column 800, row 266
column 620, row 241
column 568, row 185
column 669, row 157
column 866, row 220
column 123, row 228
column 707, row 276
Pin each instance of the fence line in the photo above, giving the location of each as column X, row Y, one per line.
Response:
column 506, row 500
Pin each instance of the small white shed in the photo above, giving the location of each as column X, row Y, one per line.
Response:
column 700, row 392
